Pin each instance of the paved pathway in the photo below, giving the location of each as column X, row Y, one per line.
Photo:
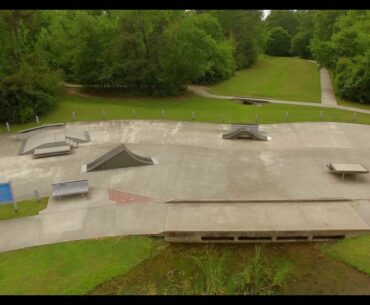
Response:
column 327, row 92
column 203, row 92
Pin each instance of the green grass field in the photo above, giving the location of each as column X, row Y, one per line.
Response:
column 353, row 251
column 25, row 208
column 180, row 108
column 72, row 267
column 284, row 78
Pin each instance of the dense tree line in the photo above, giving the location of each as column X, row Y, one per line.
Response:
column 336, row 39
column 138, row 52
column 160, row 52
column 28, row 86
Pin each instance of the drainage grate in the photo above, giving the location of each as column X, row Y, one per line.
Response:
column 292, row 238
column 330, row 237
column 255, row 238
column 217, row 238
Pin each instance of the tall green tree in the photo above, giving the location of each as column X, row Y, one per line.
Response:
column 27, row 85
column 278, row 42
column 244, row 29
column 301, row 45
column 286, row 19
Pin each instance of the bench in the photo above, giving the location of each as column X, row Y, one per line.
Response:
column 52, row 151
column 347, row 168
column 69, row 188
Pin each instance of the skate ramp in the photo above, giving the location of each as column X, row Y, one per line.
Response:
column 41, row 140
column 118, row 157
column 242, row 133
column 56, row 137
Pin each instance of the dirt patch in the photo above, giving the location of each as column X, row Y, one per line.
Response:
column 173, row 271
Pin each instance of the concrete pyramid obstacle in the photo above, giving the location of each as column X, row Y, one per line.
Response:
column 118, row 157
column 245, row 131
column 245, row 134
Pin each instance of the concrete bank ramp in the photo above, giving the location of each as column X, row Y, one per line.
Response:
column 118, row 157
column 245, row 134
column 52, row 137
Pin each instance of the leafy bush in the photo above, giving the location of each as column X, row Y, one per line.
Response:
column 30, row 91
column 352, row 78
column 259, row 277
column 278, row 42
column 301, row 45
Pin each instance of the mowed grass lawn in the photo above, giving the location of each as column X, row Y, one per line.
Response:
column 353, row 251
column 71, row 267
column 181, row 108
column 25, row 208
column 284, row 78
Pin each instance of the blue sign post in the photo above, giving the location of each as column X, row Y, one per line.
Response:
column 6, row 194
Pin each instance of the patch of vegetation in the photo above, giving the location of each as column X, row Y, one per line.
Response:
column 204, row 270
column 297, row 268
column 137, row 265
column 257, row 277
column 72, row 267
column 25, row 208
column 284, row 78
column 344, row 102
column 353, row 251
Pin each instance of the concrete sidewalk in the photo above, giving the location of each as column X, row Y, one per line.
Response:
column 329, row 102
column 327, row 92
column 79, row 218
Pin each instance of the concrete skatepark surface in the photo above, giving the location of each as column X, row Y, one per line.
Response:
column 194, row 163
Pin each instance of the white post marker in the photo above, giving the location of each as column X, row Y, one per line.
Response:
column 7, row 126
column 163, row 113
column 286, row 116
column 37, row 196
column 37, row 119
column 193, row 116
column 13, row 199
column 74, row 116
column 256, row 117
